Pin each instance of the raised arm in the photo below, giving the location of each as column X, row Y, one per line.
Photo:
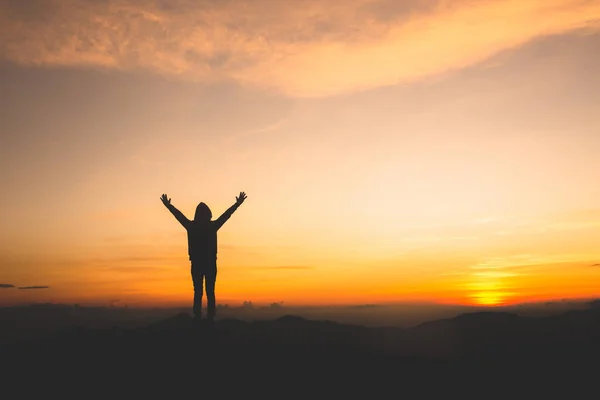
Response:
column 227, row 214
column 178, row 214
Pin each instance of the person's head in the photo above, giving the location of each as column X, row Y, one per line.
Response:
column 203, row 213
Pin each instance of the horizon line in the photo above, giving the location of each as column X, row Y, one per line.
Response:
column 268, row 305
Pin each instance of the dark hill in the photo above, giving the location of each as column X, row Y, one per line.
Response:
column 290, row 356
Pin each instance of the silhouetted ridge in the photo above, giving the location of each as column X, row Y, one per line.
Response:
column 178, row 321
column 492, row 316
column 594, row 304
column 291, row 319
column 292, row 351
column 232, row 323
column 476, row 318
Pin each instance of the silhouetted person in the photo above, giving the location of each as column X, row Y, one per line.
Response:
column 202, row 249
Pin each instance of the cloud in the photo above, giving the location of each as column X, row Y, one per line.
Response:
column 365, row 306
column 317, row 48
column 6, row 285
column 596, row 265
column 134, row 270
column 135, row 258
column 33, row 287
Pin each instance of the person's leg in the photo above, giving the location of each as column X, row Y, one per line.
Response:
column 197, row 280
column 211, row 278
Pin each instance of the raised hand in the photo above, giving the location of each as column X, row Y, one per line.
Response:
column 240, row 199
column 166, row 200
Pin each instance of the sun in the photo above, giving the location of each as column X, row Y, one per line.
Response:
column 487, row 292
column 489, row 298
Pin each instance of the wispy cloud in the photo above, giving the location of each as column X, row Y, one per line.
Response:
column 317, row 48
column 133, row 259
column 525, row 261
column 6, row 286
column 134, row 270
column 33, row 287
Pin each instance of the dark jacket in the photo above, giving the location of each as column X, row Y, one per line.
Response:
column 202, row 233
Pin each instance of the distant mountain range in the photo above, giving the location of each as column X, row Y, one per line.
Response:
column 449, row 355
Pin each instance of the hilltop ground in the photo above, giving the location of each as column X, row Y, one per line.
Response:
column 475, row 355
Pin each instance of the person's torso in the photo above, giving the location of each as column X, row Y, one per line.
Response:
column 202, row 240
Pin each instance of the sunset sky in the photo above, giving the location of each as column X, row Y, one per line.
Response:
column 392, row 151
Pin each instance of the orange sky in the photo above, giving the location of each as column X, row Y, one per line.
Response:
column 424, row 151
